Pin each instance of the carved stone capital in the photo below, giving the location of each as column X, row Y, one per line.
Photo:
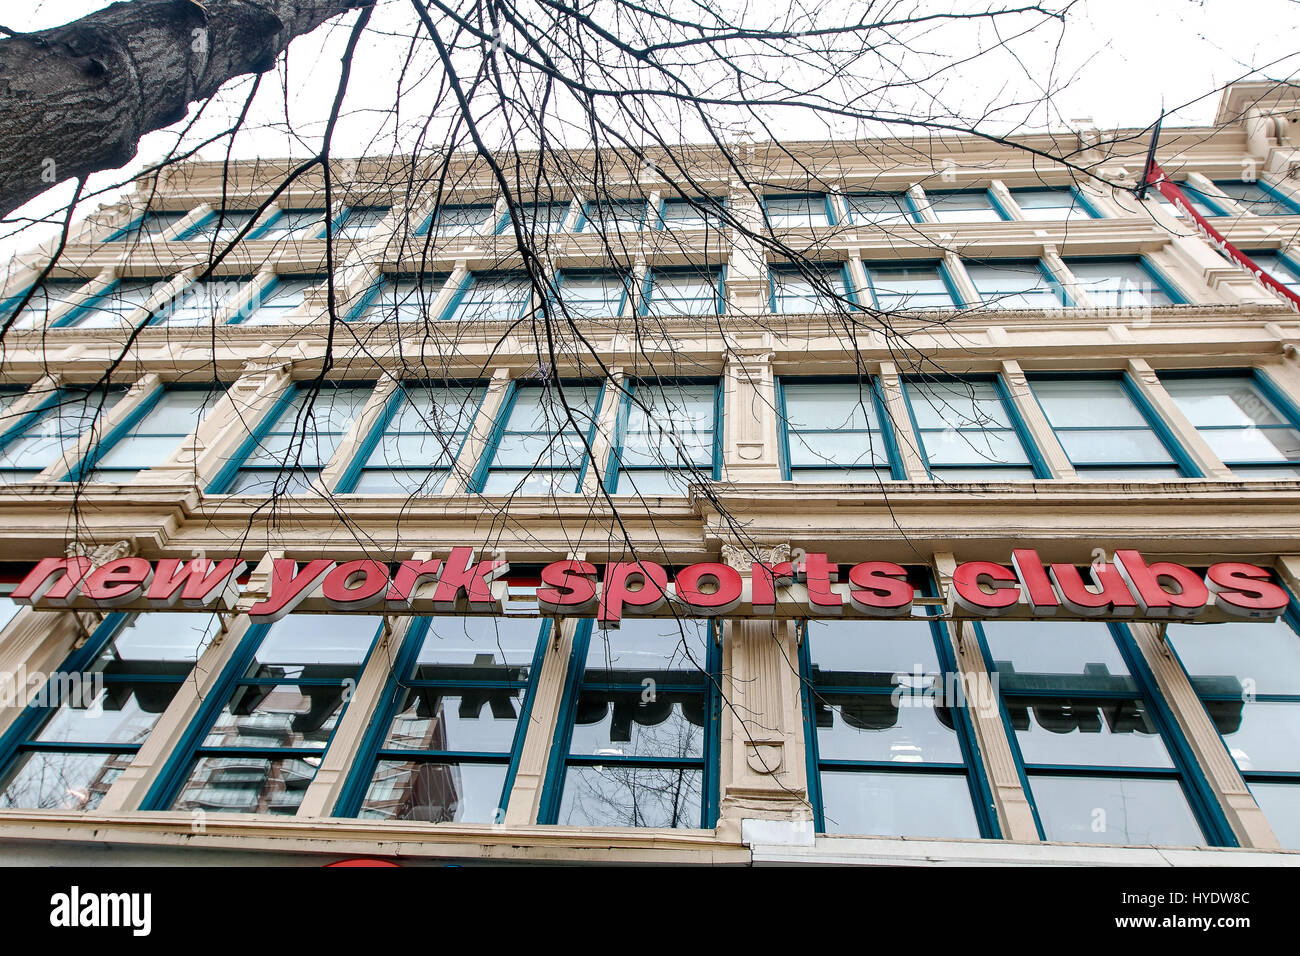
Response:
column 99, row 553
column 742, row 557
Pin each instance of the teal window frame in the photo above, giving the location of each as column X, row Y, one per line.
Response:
column 776, row 299
column 1142, row 265
column 268, row 295
column 906, row 208
column 466, row 289
column 10, row 314
column 617, row 469
column 1271, row 196
column 347, row 224
column 329, row 225
column 134, row 230
column 162, row 315
column 427, row 284
column 828, row 208
column 990, row 299
column 703, row 206
column 585, row 215
column 1076, row 196
column 431, row 224
column 656, row 273
column 218, row 222
column 1282, row 262
column 78, row 313
column 620, row 278
column 868, row 388
column 530, row 210
column 878, row 269
column 1000, row 214
column 48, row 409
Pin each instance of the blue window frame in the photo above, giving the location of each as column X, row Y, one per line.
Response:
column 221, row 226
column 1101, row 757
column 593, row 293
column 1282, row 268
column 281, row 296
column 259, row 735
column 613, row 215
column 636, row 742
column 895, row 286
column 404, row 297
column 890, row 746
column 1258, row 198
column 1247, row 675
column 113, row 307
column 537, row 218
column 869, row 209
column 812, row 288
column 1125, row 282
column 414, row 443
column 294, row 442
column 1108, row 430
column 51, row 296
column 491, row 296
column 149, row 436
column 1244, row 419
column 964, row 205
column 684, row 291
column 200, row 303
column 148, row 227
column 85, row 727
column 445, row 742
column 701, row 212
column 968, row 430
column 667, row 437
column 835, row 430
column 1053, row 204
column 539, row 445
column 360, row 221
column 301, row 224
column 1199, row 201
column 39, row 438
column 798, row 211
column 458, row 220
column 1015, row 284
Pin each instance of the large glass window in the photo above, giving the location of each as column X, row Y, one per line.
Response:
column 613, row 215
column 810, row 288
column 40, row 438
column 451, row 723
column 51, row 297
column 1015, row 284
column 87, row 724
column 831, row 431
column 487, row 296
column 536, row 219
column 878, row 208
column 1052, row 204
column 593, row 294
column 403, row 297
column 361, row 221
column 263, row 730
column 413, row 445
column 916, row 285
column 276, row 301
column 1106, row 433
column 1121, row 283
column 148, row 228
column 1244, row 421
column 799, row 211
column 114, row 306
column 667, row 437
column 297, row 225
column 1247, row 675
column 1280, row 267
column 968, row 431
column 964, row 205
column 1258, row 198
column 541, row 441
column 150, row 436
column 458, row 220
column 295, row 442
column 636, row 744
column 202, row 302
column 891, row 751
column 684, row 291
column 681, row 213
column 1195, row 198
column 1101, row 763
column 221, row 226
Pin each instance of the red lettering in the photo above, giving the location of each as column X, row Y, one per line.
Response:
column 461, row 575
column 354, row 585
column 53, row 580
column 118, row 582
column 1147, row 582
column 1244, row 590
column 1035, row 583
column 766, row 578
column 817, row 573
column 288, row 587
column 880, row 588
column 410, row 574
column 1111, row 596
column 197, row 584
column 727, row 588
column 985, row 588
column 616, row 591
column 572, row 588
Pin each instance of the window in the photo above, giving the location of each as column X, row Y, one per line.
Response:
column 1195, row 198
column 85, row 727
column 867, row 209
column 295, row 442
column 202, row 302
column 451, row 723
column 221, row 226
column 1106, row 430
column 262, row 731
column 52, row 296
column 1280, row 267
column 636, row 744
column 40, row 438
column 684, row 291
column 918, row 285
column 698, row 213
column 967, row 205
column 114, row 307
column 1015, row 284
column 148, row 228
column 968, row 431
column 488, row 296
column 1121, row 283
column 1248, row 677
column 592, row 295
column 361, row 221
column 1053, row 204
column 541, row 440
column 283, row 295
column 404, row 297
column 413, row 445
column 1258, row 198
column 1102, row 762
column 296, row 224
column 537, row 218
column 468, row 220
column 1245, row 421
column 831, row 431
column 149, row 436
column 811, row 288
column 890, row 748
column 800, row 211
column 667, row 437
column 613, row 215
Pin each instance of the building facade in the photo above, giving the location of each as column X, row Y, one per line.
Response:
column 924, row 353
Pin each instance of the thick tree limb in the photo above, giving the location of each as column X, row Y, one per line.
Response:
column 76, row 99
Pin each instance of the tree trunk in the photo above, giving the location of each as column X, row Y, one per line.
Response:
column 77, row 98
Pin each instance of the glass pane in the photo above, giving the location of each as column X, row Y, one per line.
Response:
column 1117, row 284
column 1239, row 659
column 477, row 648
column 1050, row 204
column 898, row 804
column 795, row 211
column 1260, row 735
column 240, row 784
column 619, row 796
column 1281, row 805
column 852, row 448
column 1118, row 810
column 1084, row 732
column 118, row 713
column 869, row 653
column 687, row 214
column 984, row 447
column 400, row 481
column 642, row 647
column 888, row 207
column 1099, row 445
column 623, row 215
column 1061, row 654
column 875, row 727
column 315, row 645
column 483, row 721
column 460, row 220
column 812, row 290
column 957, row 404
column 1226, row 400
column 53, row 296
column 158, row 643
column 973, row 206
column 846, row 405
column 919, row 286
column 435, row 792
column 61, row 781
column 1254, row 444
column 1013, row 284
column 1080, row 403
column 592, row 296
column 271, row 716
column 650, row 723
column 538, row 408
column 1255, row 199
column 531, row 483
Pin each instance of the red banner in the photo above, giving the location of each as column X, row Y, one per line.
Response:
column 1156, row 177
